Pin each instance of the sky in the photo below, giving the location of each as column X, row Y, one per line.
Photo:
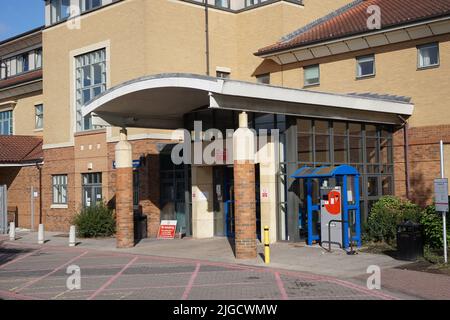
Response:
column 19, row 16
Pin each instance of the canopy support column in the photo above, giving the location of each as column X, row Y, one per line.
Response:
column 124, row 192
column 244, row 190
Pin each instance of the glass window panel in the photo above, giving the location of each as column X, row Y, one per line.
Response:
column 311, row 75
column 371, row 150
column 372, row 186
column 366, row 66
column 322, row 148
column 304, row 125
column 355, row 150
column 428, row 55
column 354, row 129
column 387, row 185
column 340, row 149
column 321, row 126
column 97, row 73
column 371, row 130
column 305, row 147
column 339, row 128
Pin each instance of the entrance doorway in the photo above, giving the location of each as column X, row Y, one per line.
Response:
column 224, row 205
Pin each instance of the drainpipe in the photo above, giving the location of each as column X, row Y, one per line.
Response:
column 208, row 73
column 405, row 126
column 39, row 167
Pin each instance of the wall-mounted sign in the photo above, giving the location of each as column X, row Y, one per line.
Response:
column 264, row 193
column 167, row 229
column 136, row 164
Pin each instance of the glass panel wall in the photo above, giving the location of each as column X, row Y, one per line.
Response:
column 367, row 147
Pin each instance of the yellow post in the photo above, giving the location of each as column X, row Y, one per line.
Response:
column 266, row 245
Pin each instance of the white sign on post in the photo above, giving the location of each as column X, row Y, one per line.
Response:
column 441, row 194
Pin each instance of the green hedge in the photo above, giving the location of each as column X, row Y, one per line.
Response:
column 96, row 221
column 385, row 215
column 432, row 228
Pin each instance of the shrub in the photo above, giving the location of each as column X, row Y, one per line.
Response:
column 97, row 221
column 432, row 228
column 386, row 214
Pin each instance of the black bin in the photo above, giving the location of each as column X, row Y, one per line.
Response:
column 409, row 241
column 140, row 226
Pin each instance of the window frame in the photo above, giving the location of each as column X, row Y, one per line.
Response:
column 38, row 115
column 60, row 185
column 358, row 61
column 428, row 45
column 261, row 77
column 305, row 84
column 4, row 119
column 92, row 187
column 79, row 86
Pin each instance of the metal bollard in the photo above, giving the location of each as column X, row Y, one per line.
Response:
column 266, row 245
column 41, row 234
column 12, row 231
column 72, row 240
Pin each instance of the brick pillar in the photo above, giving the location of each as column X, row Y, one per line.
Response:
column 124, row 193
column 244, row 190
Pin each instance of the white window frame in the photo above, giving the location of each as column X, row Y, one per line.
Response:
column 56, row 13
column 305, row 83
column 59, row 189
column 4, row 119
column 38, row 114
column 363, row 59
column 419, row 51
column 80, row 121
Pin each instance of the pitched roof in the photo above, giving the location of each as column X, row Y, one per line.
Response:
column 351, row 20
column 20, row 149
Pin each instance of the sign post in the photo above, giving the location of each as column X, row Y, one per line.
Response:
column 441, row 199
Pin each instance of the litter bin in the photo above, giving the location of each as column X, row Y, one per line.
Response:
column 140, row 227
column 409, row 241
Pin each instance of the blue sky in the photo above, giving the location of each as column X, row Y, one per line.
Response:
column 19, row 16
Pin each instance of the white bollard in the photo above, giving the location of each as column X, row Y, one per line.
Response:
column 12, row 231
column 72, row 240
column 41, row 234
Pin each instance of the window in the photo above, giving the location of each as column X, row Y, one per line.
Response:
column 223, row 74
column 59, row 10
column 249, row 3
column 428, row 55
column 92, row 189
column 6, row 123
column 222, row 3
column 87, row 5
column 312, row 75
column 38, row 58
column 22, row 63
column 365, row 66
column 59, row 183
column 263, row 78
column 39, row 116
column 90, row 82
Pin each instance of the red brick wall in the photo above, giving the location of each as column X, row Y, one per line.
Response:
column 124, row 208
column 19, row 181
column 424, row 161
column 245, row 210
column 58, row 161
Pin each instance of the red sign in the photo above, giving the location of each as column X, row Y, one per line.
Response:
column 334, row 203
column 167, row 229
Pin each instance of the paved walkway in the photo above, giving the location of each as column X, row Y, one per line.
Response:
column 317, row 273
column 39, row 272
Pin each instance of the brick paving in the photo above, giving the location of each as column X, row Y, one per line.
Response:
column 39, row 272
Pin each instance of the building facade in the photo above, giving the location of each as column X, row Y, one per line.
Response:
column 136, row 65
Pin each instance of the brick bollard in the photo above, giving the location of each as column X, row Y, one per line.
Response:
column 124, row 193
column 244, row 190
